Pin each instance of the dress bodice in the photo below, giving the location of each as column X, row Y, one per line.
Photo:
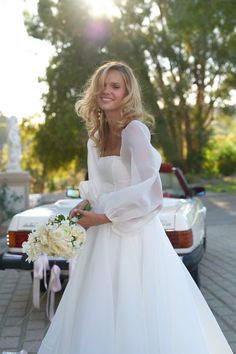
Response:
column 114, row 173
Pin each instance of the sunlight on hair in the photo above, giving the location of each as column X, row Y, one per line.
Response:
column 100, row 8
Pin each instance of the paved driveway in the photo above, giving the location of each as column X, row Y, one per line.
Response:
column 21, row 326
column 218, row 267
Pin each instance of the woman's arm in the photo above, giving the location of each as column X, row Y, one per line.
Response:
column 88, row 218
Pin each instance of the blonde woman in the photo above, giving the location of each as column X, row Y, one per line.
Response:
column 129, row 292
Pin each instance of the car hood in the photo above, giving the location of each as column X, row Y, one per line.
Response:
column 30, row 218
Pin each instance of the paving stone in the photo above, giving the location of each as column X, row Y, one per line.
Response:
column 230, row 335
column 4, row 302
column 9, row 342
column 14, row 321
column 18, row 297
column 233, row 346
column 38, row 315
column 37, row 324
column 2, row 309
column 16, row 312
column 18, row 305
column 11, row 331
column 36, row 334
column 32, row 346
column 5, row 296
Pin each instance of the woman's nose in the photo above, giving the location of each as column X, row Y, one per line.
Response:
column 106, row 89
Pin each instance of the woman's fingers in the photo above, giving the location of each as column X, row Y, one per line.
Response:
column 75, row 210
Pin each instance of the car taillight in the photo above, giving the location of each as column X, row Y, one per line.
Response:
column 180, row 239
column 16, row 238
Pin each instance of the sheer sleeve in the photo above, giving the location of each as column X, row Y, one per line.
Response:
column 131, row 207
column 89, row 189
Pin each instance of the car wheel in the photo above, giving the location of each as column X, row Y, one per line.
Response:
column 195, row 275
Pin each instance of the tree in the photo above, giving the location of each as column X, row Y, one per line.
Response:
column 189, row 46
column 28, row 130
column 3, row 138
column 182, row 52
column 78, row 41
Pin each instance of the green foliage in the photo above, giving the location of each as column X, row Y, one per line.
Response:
column 78, row 40
column 189, row 47
column 226, row 184
column 227, row 159
column 3, row 139
column 182, row 51
column 29, row 160
column 210, row 163
column 6, row 200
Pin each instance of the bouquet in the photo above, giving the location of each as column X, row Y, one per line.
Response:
column 60, row 237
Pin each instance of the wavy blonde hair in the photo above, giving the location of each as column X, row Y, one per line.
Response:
column 95, row 120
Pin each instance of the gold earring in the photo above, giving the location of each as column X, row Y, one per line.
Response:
column 99, row 112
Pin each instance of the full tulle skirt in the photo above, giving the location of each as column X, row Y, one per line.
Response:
column 132, row 295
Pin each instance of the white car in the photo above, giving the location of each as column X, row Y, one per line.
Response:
column 183, row 217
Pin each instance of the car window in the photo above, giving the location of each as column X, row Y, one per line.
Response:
column 171, row 185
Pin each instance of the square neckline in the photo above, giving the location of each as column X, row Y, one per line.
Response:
column 119, row 156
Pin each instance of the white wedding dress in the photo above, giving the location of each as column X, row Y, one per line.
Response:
column 130, row 293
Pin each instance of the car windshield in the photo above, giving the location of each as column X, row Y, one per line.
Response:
column 171, row 186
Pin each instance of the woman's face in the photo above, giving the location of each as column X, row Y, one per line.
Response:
column 111, row 96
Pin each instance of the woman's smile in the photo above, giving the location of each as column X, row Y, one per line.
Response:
column 113, row 92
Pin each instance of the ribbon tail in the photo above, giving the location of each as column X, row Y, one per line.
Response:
column 53, row 287
column 72, row 263
column 36, row 293
column 40, row 272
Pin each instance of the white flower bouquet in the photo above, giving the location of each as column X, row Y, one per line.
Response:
column 60, row 237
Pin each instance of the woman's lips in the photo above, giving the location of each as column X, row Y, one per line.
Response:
column 106, row 99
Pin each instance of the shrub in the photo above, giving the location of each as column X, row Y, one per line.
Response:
column 6, row 200
column 227, row 159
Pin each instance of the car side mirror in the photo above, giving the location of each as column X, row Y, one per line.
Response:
column 72, row 193
column 198, row 191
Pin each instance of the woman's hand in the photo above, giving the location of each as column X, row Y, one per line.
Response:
column 75, row 211
column 90, row 218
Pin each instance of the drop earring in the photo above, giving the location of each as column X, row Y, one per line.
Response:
column 99, row 113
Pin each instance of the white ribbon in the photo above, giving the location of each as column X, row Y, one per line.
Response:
column 53, row 286
column 72, row 263
column 41, row 266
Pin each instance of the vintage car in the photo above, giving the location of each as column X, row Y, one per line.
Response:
column 183, row 217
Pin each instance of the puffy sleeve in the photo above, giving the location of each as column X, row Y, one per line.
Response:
column 89, row 189
column 131, row 207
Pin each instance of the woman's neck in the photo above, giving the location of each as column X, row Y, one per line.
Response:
column 112, row 119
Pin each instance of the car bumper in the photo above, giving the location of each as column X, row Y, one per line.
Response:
column 192, row 259
column 18, row 261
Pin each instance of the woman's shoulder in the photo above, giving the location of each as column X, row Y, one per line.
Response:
column 135, row 128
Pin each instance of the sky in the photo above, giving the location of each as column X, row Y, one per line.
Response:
column 23, row 59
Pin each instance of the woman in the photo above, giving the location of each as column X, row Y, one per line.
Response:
column 130, row 293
